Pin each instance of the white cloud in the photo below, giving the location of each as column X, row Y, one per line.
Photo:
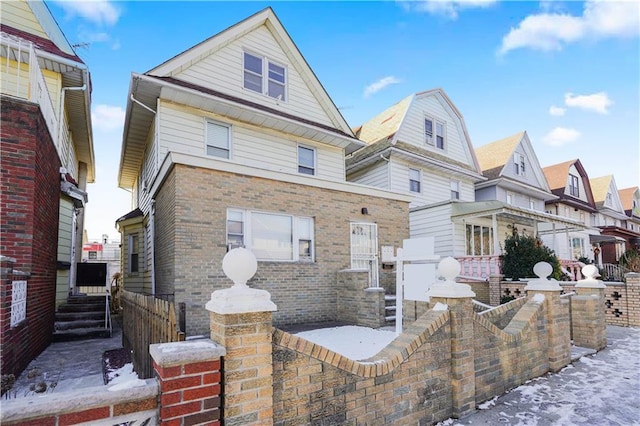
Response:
column 379, row 85
column 598, row 102
column 561, row 136
column 97, row 11
column 551, row 31
column 557, row 111
column 446, row 8
column 107, row 118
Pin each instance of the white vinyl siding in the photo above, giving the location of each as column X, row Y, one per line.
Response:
column 147, row 174
column 218, row 140
column 436, row 222
column 413, row 129
column 582, row 193
column 435, row 186
column 376, row 175
column 183, row 130
column 223, row 70
column 65, row 223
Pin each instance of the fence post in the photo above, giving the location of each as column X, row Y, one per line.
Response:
column 459, row 299
column 588, row 316
column 241, row 322
column 556, row 311
column 495, row 292
column 189, row 376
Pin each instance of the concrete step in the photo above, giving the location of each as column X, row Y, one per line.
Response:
column 81, row 333
column 86, row 299
column 80, row 323
column 76, row 316
column 81, row 307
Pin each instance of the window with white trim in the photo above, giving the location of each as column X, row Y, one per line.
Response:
column 306, row 160
column 577, row 248
column 574, row 189
column 264, row 76
column 415, row 180
column 479, row 240
column 271, row 236
column 428, row 131
column 455, row 190
column 532, row 204
column 440, row 135
column 133, row 248
column 519, row 164
column 218, row 140
column 509, row 198
column 608, row 200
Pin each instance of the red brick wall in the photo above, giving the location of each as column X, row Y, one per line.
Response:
column 29, row 203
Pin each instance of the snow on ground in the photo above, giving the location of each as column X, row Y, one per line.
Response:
column 354, row 342
column 124, row 378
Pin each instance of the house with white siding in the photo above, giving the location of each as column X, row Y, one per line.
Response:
column 420, row 147
column 612, row 219
column 234, row 142
column 569, row 181
column 512, row 199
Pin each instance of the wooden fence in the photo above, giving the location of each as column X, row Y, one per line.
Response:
column 147, row 320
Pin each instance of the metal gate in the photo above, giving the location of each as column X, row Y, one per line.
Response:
column 364, row 249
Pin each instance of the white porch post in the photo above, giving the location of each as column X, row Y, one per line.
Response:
column 496, row 243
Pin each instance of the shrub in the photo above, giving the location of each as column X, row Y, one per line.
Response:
column 630, row 261
column 522, row 252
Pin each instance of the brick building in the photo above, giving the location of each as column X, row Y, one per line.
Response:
column 47, row 160
column 234, row 142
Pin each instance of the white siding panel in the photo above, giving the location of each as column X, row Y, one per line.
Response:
column 223, row 71
column 412, row 130
column 434, row 222
column 183, row 130
column 377, row 175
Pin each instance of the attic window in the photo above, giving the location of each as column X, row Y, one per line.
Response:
column 428, row 131
column 264, row 76
column 519, row 164
column 574, row 189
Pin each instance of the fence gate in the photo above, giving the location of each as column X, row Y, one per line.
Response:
column 364, row 249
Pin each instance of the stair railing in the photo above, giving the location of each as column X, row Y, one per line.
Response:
column 107, row 313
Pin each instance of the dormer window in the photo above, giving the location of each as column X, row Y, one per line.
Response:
column 519, row 164
column 264, row 76
column 440, row 135
column 440, row 131
column 609, row 199
column 428, row 131
column 574, row 189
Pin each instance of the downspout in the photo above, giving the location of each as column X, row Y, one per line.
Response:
column 388, row 160
column 152, row 230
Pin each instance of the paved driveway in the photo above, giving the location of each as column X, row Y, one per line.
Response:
column 596, row 390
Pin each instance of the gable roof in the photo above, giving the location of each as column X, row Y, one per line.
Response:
column 627, row 195
column 268, row 18
column 493, row 156
column 599, row 188
column 557, row 177
column 603, row 186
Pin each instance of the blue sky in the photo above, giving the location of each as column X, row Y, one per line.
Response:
column 566, row 72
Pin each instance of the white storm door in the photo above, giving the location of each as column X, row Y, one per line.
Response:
column 364, row 249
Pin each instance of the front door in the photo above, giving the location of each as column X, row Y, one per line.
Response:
column 364, row 249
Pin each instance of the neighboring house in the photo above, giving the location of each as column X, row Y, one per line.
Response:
column 47, row 160
column 235, row 142
column 103, row 251
column 630, row 198
column 512, row 199
column 420, row 147
column 612, row 219
column 570, row 183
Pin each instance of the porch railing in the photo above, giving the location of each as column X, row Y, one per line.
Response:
column 479, row 267
column 612, row 272
column 573, row 268
column 22, row 77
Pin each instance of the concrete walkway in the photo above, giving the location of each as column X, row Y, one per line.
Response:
column 596, row 390
column 65, row 366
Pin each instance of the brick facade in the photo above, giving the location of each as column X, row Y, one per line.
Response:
column 191, row 209
column 30, row 197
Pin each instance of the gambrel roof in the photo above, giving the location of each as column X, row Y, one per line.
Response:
column 495, row 155
column 627, row 196
column 557, row 177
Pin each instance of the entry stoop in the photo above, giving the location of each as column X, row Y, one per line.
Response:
column 83, row 317
column 390, row 309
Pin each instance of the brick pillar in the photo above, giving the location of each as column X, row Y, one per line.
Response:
column 459, row 299
column 241, row 322
column 633, row 298
column 588, row 316
column 556, row 312
column 189, row 376
column 495, row 292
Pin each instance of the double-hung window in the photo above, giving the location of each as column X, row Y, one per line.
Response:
column 306, row 160
column 133, row 248
column 574, row 189
column 428, row 131
column 414, row 180
column 519, row 164
column 218, row 140
column 264, row 76
column 440, row 135
column 271, row 236
column 455, row 190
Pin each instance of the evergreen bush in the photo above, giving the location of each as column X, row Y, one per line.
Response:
column 522, row 252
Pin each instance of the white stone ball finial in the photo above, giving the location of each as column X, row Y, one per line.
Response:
column 590, row 272
column 449, row 268
column 239, row 265
column 542, row 270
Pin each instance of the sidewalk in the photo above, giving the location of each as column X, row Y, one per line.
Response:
column 65, row 366
column 596, row 390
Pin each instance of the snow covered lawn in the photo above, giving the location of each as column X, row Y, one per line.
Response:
column 354, row 342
